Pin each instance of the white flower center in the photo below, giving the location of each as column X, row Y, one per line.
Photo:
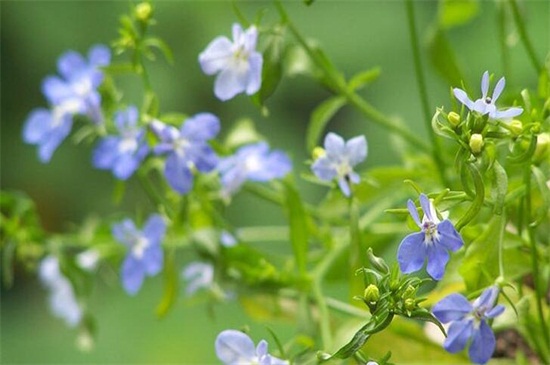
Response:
column 343, row 169
column 128, row 144
column 252, row 163
column 430, row 232
column 140, row 244
column 180, row 146
column 69, row 106
column 83, row 87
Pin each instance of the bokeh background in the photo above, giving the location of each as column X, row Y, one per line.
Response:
column 356, row 35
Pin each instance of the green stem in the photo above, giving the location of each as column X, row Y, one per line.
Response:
column 523, row 36
column 339, row 86
column 423, row 91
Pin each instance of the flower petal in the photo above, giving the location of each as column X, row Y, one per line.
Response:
column 458, row 335
column 414, row 212
column 216, row 56
column 323, row 169
column 438, row 256
column 70, row 64
column 498, row 89
column 37, row 125
column 229, row 83
column 105, row 153
column 449, row 236
column 411, row 253
column 463, row 98
column 178, row 174
column 133, row 274
column 335, row 146
column 344, row 186
column 234, row 346
column 99, row 55
column 123, row 231
column 356, row 150
column 153, row 258
column 56, row 90
column 483, row 344
column 201, row 127
column 496, row 311
column 426, row 207
column 506, row 114
column 254, row 82
column 451, row 308
column 154, row 229
column 485, row 84
column 488, row 298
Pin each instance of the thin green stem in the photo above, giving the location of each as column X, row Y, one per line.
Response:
column 524, row 37
column 423, row 91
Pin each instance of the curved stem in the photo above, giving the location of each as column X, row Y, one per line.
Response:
column 524, row 37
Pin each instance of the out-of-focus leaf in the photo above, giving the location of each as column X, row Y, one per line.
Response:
column 272, row 66
column 456, row 12
column 362, row 78
column 170, row 286
column 298, row 225
column 500, row 186
column 243, row 132
column 162, row 46
column 297, row 62
column 443, row 58
column 320, row 117
column 119, row 68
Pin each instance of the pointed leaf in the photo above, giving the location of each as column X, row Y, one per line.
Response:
column 320, row 117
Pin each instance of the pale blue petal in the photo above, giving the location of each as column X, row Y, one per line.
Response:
column 354, row 177
column 411, row 253
column 449, row 236
column 506, row 114
column 463, row 98
column 70, row 64
column 178, row 174
column 124, row 231
column 485, row 84
column 438, row 256
column 481, row 106
column 237, row 32
column 496, row 311
column 451, row 308
column 261, row 349
column 234, row 346
column 201, row 127
column 154, row 229
column 483, row 344
column 356, row 150
column 105, row 153
column 323, row 169
column 133, row 274
column 344, row 186
column 254, row 82
column 426, row 207
column 37, row 125
column 54, row 137
column 204, row 158
column 250, row 38
column 457, row 336
column 229, row 83
column 56, row 90
column 335, row 146
column 152, row 260
column 125, row 165
column 414, row 212
column 99, row 55
column 498, row 89
column 488, row 298
column 216, row 56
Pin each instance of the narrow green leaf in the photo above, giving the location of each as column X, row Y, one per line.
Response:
column 119, row 68
column 320, row 117
column 456, row 12
column 500, row 187
column 362, row 78
column 170, row 286
column 243, row 132
column 443, row 58
column 162, row 46
column 298, row 225
column 272, row 66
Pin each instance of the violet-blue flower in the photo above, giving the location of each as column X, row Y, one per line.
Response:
column 486, row 104
column 432, row 243
column 236, row 348
column 252, row 162
column 338, row 159
column 187, row 149
column 198, row 275
column 123, row 153
column 469, row 323
column 145, row 255
column 238, row 64
column 75, row 92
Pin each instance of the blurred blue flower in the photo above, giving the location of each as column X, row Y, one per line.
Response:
column 74, row 93
column 486, row 104
column 238, row 64
column 62, row 298
column 145, row 255
column 198, row 275
column 432, row 243
column 187, row 148
column 252, row 162
column 338, row 160
column 227, row 239
column 122, row 154
column 234, row 348
column 469, row 322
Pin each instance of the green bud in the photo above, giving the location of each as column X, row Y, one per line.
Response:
column 453, row 118
column 516, row 127
column 409, row 292
column 318, row 152
column 372, row 294
column 476, row 143
column 543, row 147
column 143, row 11
column 377, row 262
column 409, row 304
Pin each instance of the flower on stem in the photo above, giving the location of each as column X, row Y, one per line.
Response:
column 432, row 243
column 145, row 255
column 238, row 64
column 62, row 298
column 486, row 104
column 338, row 160
column 187, row 149
column 234, row 347
column 74, row 93
column 122, row 154
column 198, row 275
column 469, row 323
column 252, row 162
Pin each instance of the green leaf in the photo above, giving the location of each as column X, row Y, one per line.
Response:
column 162, row 46
column 500, row 187
column 320, row 117
column 456, row 12
column 119, row 68
column 442, row 57
column 243, row 132
column 298, row 225
column 362, row 78
column 170, row 286
column 272, row 65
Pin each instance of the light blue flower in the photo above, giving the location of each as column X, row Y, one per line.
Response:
column 486, row 104
column 62, row 298
column 187, row 149
column 432, row 243
column 74, row 93
column 198, row 275
column 469, row 323
column 145, row 255
column 338, row 160
column 227, row 239
column 236, row 348
column 252, row 162
column 123, row 153
column 238, row 64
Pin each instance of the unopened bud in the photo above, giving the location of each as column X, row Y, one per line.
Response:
column 453, row 118
column 476, row 143
column 516, row 127
column 543, row 147
column 377, row 262
column 372, row 294
column 318, row 152
column 409, row 292
column 409, row 304
column 143, row 11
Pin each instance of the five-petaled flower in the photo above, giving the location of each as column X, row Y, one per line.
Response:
column 238, row 64
column 432, row 243
column 469, row 322
column 187, row 148
column 74, row 93
column 486, row 104
column 234, row 347
column 145, row 255
column 62, row 298
column 338, row 160
column 122, row 154
column 252, row 162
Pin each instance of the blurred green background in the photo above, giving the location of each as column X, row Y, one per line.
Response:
column 356, row 35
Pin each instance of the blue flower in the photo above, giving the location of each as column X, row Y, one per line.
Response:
column 338, row 160
column 187, row 149
column 486, row 104
column 62, row 298
column 469, row 322
column 122, row 154
column 432, row 243
column 252, row 162
column 74, row 93
column 198, row 275
column 234, row 348
column 238, row 64
column 145, row 255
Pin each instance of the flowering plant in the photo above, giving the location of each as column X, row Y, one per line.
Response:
column 336, row 257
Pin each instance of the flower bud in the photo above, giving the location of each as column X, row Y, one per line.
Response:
column 516, row 127
column 318, row 152
column 143, row 11
column 542, row 149
column 409, row 304
column 377, row 262
column 372, row 294
column 476, row 143
column 409, row 292
column 453, row 118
